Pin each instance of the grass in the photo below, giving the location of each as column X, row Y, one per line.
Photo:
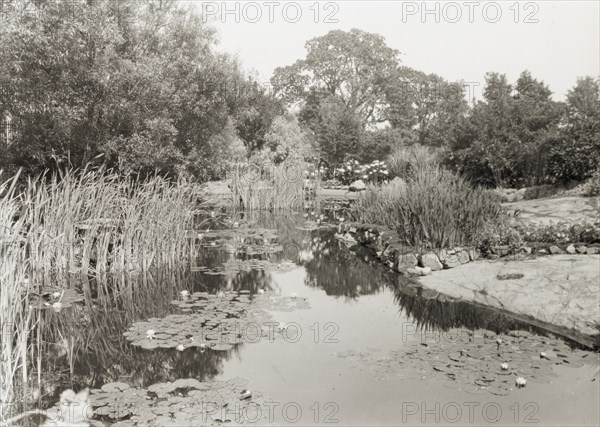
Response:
column 90, row 231
column 405, row 161
column 269, row 187
column 432, row 209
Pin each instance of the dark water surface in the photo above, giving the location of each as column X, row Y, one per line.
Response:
column 344, row 367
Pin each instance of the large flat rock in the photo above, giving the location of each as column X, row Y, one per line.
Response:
column 562, row 290
column 558, row 209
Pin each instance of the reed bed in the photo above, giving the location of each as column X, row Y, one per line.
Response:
column 90, row 231
column 269, row 187
column 433, row 209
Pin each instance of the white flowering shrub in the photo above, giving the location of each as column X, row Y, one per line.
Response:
column 352, row 170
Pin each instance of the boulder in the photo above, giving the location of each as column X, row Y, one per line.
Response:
column 474, row 254
column 423, row 271
column 555, row 250
column 413, row 271
column 571, row 249
column 407, row 261
column 581, row 249
column 451, row 261
column 430, row 260
column 463, row 256
column 592, row 251
column 358, row 185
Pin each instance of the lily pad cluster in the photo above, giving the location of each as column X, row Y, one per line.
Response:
column 477, row 363
column 182, row 402
column 250, row 241
column 55, row 299
column 215, row 322
column 234, row 266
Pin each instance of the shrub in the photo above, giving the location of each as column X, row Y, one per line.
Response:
column 592, row 186
column 498, row 233
column 352, row 170
column 434, row 208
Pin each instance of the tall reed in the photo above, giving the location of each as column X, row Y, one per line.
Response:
column 15, row 314
column 90, row 231
column 433, row 209
column 269, row 187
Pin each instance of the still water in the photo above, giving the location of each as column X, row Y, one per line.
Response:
column 363, row 352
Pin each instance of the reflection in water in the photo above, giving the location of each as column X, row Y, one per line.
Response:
column 86, row 347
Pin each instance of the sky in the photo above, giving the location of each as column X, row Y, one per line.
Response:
column 557, row 41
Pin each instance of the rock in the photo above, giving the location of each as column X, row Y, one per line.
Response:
column 423, row 271
column 442, row 254
column 407, row 261
column 527, row 250
column 501, row 250
column 451, row 261
column 581, row 249
column 430, row 260
column 542, row 251
column 413, row 271
column 358, row 185
column 571, row 249
column 463, row 256
column 474, row 254
column 555, row 250
column 592, row 251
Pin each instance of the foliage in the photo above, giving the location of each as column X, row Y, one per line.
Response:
column 426, row 105
column 373, row 173
column 434, row 209
column 140, row 93
column 286, row 141
column 499, row 232
column 405, row 161
column 575, row 152
column 504, row 140
column 592, row 185
column 561, row 233
column 350, row 67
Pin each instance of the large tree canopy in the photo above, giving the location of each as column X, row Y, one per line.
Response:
column 351, row 67
column 141, row 86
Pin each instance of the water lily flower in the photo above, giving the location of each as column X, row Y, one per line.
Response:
column 504, row 366
column 212, row 214
column 236, row 224
column 150, row 334
column 56, row 294
column 520, row 382
column 57, row 306
column 341, row 219
column 180, row 347
column 245, row 394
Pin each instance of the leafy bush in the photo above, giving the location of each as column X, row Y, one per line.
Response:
column 498, row 233
column 434, row 208
column 352, row 170
column 592, row 186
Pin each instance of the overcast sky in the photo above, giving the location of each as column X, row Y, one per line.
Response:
column 557, row 41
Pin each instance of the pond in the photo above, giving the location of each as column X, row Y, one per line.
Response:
column 279, row 322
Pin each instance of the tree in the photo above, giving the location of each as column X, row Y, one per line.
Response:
column 137, row 86
column 349, row 68
column 575, row 152
column 505, row 138
column 427, row 105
